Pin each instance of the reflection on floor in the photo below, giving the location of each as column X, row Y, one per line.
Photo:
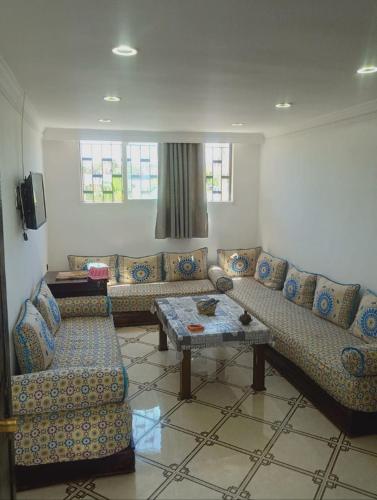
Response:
column 227, row 442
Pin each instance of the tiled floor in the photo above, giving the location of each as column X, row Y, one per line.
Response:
column 227, row 442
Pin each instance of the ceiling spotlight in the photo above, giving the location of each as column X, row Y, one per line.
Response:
column 111, row 98
column 124, row 50
column 366, row 70
column 283, row 105
column 104, row 120
column 238, row 124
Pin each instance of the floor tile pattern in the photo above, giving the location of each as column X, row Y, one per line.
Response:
column 227, row 442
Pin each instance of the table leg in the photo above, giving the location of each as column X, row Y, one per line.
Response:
column 258, row 368
column 185, row 392
column 163, row 340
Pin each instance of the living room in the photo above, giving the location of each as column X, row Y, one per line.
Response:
column 205, row 171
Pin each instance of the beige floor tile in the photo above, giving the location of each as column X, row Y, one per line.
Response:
column 219, row 394
column 151, row 338
column 144, row 372
column 220, row 466
column 205, row 367
column 302, row 451
column 132, row 389
column 280, row 387
column 171, row 382
column 141, row 424
column 358, row 469
column 56, row 492
column 137, row 350
column 152, row 400
column 129, row 332
column 188, row 490
column 340, row 493
column 195, row 417
column 219, row 352
column 237, row 375
column 166, row 358
column 245, row 359
column 265, row 407
column 272, row 481
column 365, row 443
column 313, row 422
column 245, row 433
column 140, row 484
column 165, row 445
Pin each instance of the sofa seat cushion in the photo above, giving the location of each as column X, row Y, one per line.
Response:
column 86, row 342
column 140, row 297
column 313, row 344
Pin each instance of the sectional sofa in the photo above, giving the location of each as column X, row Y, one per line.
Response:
column 323, row 344
column 70, row 398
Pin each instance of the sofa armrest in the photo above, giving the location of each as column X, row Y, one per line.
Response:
column 220, row 280
column 67, row 389
column 360, row 361
column 84, row 306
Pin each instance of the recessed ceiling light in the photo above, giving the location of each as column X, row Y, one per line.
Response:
column 124, row 50
column 104, row 120
column 238, row 124
column 366, row 70
column 283, row 105
column 111, row 98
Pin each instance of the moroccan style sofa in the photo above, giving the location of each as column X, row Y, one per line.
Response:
column 135, row 282
column 75, row 410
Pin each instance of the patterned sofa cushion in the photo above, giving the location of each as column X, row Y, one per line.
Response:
column 84, row 306
column 311, row 343
column 299, row 287
column 240, row 262
column 46, row 304
column 125, row 298
column 140, row 269
column 365, row 324
column 334, row 301
column 33, row 341
column 220, row 279
column 360, row 361
column 270, row 271
column 186, row 266
column 79, row 263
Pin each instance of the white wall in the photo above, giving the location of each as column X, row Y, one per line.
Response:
column 128, row 228
column 318, row 200
column 25, row 262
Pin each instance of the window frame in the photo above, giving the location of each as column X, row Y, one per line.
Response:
column 231, row 172
column 125, row 166
column 111, row 203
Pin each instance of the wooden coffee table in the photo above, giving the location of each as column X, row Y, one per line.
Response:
column 175, row 313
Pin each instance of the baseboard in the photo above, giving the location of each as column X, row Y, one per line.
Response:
column 39, row 476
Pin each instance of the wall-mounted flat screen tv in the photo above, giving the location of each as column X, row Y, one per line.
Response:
column 33, row 201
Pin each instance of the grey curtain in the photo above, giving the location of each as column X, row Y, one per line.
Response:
column 182, row 197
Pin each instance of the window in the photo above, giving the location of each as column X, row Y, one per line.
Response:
column 218, row 161
column 142, row 170
column 101, row 172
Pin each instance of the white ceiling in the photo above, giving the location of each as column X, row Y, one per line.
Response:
column 202, row 64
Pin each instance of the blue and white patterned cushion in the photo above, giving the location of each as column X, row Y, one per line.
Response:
column 33, row 341
column 270, row 271
column 46, row 304
column 360, row 361
column 334, row 301
column 186, row 266
column 239, row 262
column 299, row 287
column 365, row 324
column 140, row 269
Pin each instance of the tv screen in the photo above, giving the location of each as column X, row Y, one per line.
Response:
column 33, row 201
